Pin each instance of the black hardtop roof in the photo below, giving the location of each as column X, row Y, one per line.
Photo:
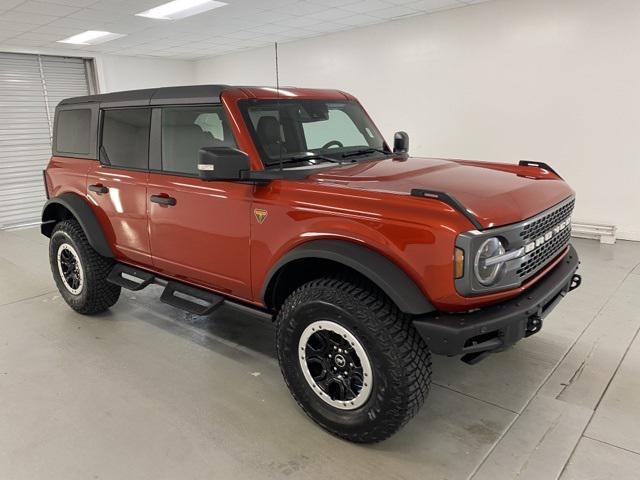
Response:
column 153, row 96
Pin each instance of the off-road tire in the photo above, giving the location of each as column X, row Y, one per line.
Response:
column 96, row 295
column 400, row 360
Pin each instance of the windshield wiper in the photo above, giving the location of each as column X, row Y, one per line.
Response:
column 364, row 151
column 315, row 157
column 302, row 158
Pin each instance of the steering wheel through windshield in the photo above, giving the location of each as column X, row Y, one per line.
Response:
column 333, row 143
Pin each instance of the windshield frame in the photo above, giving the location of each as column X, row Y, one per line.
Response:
column 270, row 162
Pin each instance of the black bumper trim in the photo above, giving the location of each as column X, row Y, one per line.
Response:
column 499, row 326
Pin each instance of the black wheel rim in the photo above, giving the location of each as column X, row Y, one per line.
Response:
column 335, row 365
column 70, row 269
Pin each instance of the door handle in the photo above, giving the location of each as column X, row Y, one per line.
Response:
column 98, row 188
column 163, row 200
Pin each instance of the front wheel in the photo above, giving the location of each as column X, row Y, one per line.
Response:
column 79, row 271
column 351, row 359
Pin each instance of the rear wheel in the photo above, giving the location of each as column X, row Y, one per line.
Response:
column 351, row 359
column 79, row 271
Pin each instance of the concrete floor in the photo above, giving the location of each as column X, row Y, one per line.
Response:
column 146, row 391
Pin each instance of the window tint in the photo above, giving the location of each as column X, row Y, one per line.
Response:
column 185, row 130
column 73, row 131
column 337, row 128
column 125, row 138
column 293, row 129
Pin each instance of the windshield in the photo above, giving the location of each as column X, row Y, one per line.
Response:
column 311, row 131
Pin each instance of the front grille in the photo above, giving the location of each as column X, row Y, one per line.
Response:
column 549, row 231
column 540, row 256
column 538, row 227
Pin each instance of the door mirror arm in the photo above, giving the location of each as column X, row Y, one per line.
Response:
column 222, row 163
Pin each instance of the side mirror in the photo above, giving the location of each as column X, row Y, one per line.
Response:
column 400, row 142
column 222, row 163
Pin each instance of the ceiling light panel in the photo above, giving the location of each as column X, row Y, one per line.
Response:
column 91, row 37
column 180, row 9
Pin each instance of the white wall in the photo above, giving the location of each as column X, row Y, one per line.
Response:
column 550, row 80
column 128, row 73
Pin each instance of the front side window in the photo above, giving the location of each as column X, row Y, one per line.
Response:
column 73, row 131
column 125, row 138
column 288, row 131
column 185, row 130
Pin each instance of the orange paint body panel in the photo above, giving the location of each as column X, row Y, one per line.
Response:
column 213, row 239
column 65, row 174
column 122, row 211
column 495, row 194
column 203, row 239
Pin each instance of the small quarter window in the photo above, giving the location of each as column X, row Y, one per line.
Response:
column 125, row 138
column 73, row 131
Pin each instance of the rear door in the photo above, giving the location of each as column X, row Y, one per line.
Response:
column 117, row 185
column 199, row 230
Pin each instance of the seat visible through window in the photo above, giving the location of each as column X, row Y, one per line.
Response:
column 268, row 131
column 185, row 130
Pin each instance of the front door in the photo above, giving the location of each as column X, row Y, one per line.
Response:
column 117, row 185
column 199, row 230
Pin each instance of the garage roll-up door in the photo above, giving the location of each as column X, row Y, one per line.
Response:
column 30, row 88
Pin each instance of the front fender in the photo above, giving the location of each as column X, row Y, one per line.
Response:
column 389, row 277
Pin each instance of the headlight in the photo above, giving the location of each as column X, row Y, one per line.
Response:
column 487, row 275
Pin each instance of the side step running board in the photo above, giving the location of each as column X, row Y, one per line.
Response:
column 185, row 297
column 138, row 280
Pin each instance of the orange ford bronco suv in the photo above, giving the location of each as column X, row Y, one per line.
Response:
column 290, row 201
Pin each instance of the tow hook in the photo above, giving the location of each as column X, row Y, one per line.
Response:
column 576, row 280
column 533, row 325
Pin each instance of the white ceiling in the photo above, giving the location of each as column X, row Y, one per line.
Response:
column 36, row 25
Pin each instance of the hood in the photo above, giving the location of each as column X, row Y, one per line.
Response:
column 495, row 193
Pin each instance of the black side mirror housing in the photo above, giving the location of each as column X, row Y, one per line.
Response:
column 222, row 163
column 401, row 143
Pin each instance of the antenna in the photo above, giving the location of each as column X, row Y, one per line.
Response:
column 278, row 106
column 277, row 74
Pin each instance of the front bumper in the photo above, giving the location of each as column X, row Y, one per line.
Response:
column 499, row 326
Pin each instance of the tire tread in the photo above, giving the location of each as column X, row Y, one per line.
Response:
column 405, row 344
column 100, row 294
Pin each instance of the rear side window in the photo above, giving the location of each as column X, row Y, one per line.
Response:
column 73, row 131
column 185, row 130
column 125, row 138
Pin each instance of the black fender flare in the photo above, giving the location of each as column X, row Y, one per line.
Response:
column 381, row 271
column 83, row 213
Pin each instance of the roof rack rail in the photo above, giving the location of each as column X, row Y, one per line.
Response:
column 193, row 94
